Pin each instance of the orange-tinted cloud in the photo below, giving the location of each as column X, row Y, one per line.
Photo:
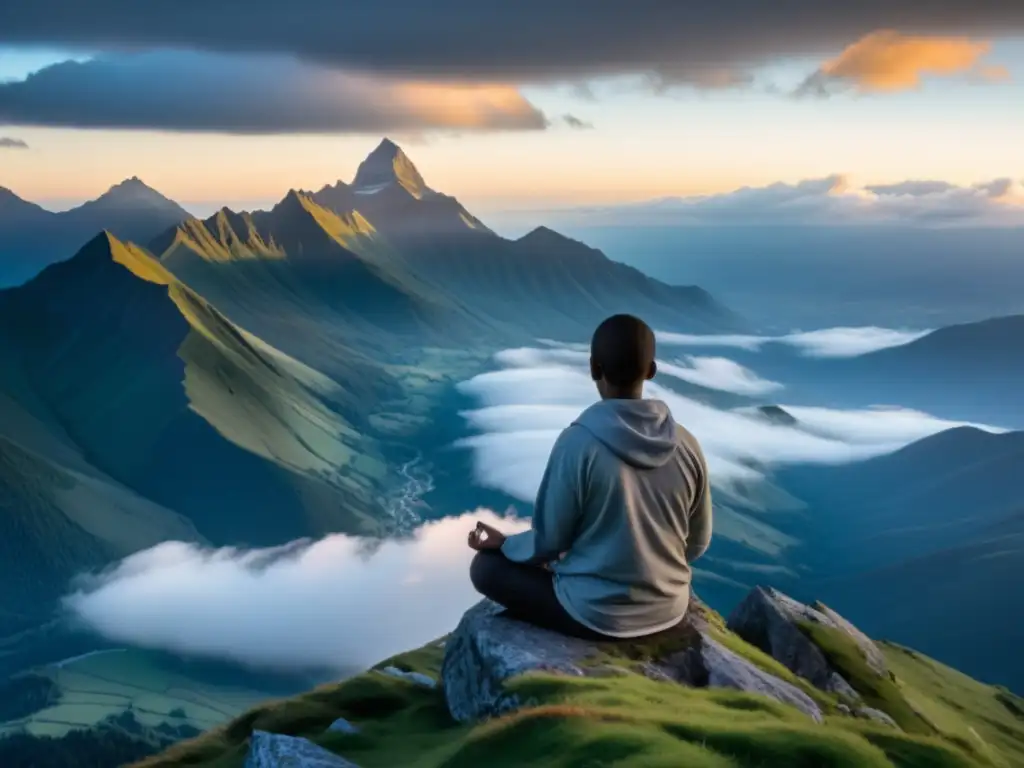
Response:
column 189, row 91
column 888, row 61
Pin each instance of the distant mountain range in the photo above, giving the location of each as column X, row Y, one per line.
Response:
column 789, row 276
column 32, row 237
column 966, row 372
column 903, row 542
column 970, row 372
column 253, row 378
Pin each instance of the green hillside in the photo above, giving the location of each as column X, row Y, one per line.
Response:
column 626, row 719
column 159, row 390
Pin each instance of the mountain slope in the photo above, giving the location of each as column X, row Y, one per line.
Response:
column 140, row 371
column 544, row 284
column 474, row 288
column 313, row 282
column 31, row 237
column 14, row 211
column 896, row 541
column 973, row 372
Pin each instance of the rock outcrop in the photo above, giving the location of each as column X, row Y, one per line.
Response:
column 274, row 750
column 342, row 725
column 417, row 678
column 488, row 649
column 876, row 715
column 772, row 621
column 712, row 664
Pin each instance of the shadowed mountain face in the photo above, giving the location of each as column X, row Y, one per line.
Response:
column 907, row 541
column 969, row 372
column 31, row 237
column 126, row 395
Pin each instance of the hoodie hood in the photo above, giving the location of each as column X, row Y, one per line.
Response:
column 640, row 432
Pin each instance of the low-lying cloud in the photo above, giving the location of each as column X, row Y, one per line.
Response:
column 526, row 404
column 6, row 142
column 719, row 373
column 832, row 200
column 327, row 604
column 189, row 91
column 888, row 61
column 825, row 343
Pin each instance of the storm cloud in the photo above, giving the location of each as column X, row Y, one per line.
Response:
column 188, row 91
column 531, row 40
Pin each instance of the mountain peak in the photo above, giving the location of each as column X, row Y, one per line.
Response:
column 132, row 185
column 389, row 166
column 545, row 236
column 134, row 193
column 11, row 205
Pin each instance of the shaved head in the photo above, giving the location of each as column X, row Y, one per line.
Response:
column 622, row 353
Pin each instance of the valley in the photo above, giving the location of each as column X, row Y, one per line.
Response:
column 366, row 358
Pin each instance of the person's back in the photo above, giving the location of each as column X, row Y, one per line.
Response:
column 645, row 515
column 623, row 509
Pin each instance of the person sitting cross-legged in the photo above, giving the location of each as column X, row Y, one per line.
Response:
column 623, row 510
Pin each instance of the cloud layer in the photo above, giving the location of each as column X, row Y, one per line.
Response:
column 529, row 40
column 342, row 603
column 827, row 342
column 719, row 373
column 526, row 404
column 7, row 142
column 326, row 604
column 832, row 200
column 888, row 61
column 269, row 94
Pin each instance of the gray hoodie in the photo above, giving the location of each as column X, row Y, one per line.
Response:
column 625, row 496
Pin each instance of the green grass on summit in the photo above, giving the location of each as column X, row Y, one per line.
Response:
column 623, row 720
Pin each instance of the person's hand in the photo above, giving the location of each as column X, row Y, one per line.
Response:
column 485, row 537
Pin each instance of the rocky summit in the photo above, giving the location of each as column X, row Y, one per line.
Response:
column 488, row 649
column 780, row 683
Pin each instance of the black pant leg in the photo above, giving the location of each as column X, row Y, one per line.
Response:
column 527, row 592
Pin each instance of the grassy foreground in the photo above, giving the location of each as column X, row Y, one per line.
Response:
column 626, row 720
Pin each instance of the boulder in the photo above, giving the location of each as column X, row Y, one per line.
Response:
column 878, row 716
column 718, row 667
column 418, row 678
column 274, row 750
column 341, row 725
column 872, row 653
column 488, row 649
column 771, row 621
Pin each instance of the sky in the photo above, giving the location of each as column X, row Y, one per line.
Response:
column 508, row 107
